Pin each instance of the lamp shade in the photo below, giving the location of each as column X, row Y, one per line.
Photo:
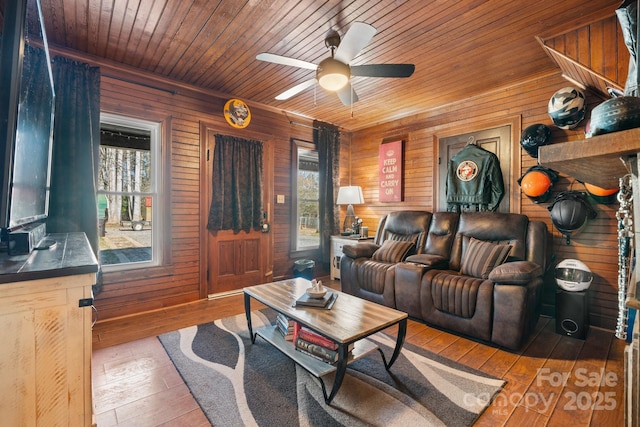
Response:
column 350, row 195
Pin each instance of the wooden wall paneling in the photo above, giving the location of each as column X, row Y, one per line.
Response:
column 611, row 34
column 180, row 281
column 593, row 55
column 282, row 211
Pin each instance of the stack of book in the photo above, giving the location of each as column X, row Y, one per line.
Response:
column 315, row 345
column 326, row 302
column 285, row 326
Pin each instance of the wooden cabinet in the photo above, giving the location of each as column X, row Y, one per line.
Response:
column 46, row 316
column 337, row 242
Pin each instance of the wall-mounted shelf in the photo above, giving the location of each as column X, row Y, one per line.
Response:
column 600, row 160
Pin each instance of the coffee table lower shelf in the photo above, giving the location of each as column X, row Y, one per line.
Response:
column 312, row 365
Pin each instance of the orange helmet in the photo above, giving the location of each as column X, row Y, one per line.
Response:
column 537, row 183
column 601, row 195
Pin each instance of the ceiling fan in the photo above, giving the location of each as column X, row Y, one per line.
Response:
column 334, row 73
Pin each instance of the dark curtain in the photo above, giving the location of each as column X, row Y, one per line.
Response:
column 236, row 202
column 76, row 151
column 327, row 139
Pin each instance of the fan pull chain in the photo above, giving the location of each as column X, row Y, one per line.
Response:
column 351, row 95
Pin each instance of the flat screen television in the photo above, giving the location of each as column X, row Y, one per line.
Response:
column 27, row 99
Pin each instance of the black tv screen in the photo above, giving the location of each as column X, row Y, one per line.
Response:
column 27, row 113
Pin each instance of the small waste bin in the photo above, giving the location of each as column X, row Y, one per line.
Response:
column 304, row 268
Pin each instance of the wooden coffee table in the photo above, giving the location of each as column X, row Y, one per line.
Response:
column 349, row 321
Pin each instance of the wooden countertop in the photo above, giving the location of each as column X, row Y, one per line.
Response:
column 71, row 255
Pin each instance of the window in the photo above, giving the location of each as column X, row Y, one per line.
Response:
column 306, row 203
column 129, row 193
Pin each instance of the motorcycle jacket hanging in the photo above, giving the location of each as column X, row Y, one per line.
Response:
column 627, row 14
column 474, row 181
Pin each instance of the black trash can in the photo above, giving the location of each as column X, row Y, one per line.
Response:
column 304, row 268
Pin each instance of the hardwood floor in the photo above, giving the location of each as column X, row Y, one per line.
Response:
column 553, row 381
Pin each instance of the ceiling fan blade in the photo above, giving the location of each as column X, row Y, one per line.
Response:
column 347, row 95
column 383, row 70
column 296, row 89
column 283, row 60
column 356, row 38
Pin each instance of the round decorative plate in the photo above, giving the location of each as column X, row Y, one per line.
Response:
column 237, row 113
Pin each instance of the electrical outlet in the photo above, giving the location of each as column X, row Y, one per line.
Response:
column 280, row 198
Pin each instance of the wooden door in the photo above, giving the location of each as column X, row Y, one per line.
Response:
column 496, row 140
column 234, row 261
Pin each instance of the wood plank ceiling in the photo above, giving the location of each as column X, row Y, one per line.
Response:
column 460, row 48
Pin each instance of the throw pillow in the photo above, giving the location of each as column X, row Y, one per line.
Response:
column 392, row 251
column 481, row 257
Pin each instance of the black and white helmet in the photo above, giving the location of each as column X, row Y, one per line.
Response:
column 573, row 275
column 567, row 107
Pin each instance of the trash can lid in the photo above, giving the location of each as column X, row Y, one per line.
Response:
column 303, row 264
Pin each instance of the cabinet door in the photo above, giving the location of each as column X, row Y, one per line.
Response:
column 46, row 352
column 336, row 254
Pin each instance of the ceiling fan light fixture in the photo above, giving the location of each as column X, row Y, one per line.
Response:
column 332, row 74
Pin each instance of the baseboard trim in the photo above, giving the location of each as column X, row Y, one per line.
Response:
column 224, row 294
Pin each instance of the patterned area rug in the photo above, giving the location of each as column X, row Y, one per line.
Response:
column 242, row 384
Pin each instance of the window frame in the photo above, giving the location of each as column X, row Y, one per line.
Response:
column 296, row 145
column 156, row 190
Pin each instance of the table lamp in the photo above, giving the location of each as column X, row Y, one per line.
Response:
column 349, row 195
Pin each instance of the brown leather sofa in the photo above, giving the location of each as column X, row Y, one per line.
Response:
column 477, row 274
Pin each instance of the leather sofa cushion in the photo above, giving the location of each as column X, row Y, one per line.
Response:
column 455, row 294
column 372, row 275
column 481, row 257
column 498, row 227
column 515, row 273
column 404, row 225
column 393, row 251
column 429, row 260
column 360, row 250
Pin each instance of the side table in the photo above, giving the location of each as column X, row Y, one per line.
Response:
column 337, row 242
